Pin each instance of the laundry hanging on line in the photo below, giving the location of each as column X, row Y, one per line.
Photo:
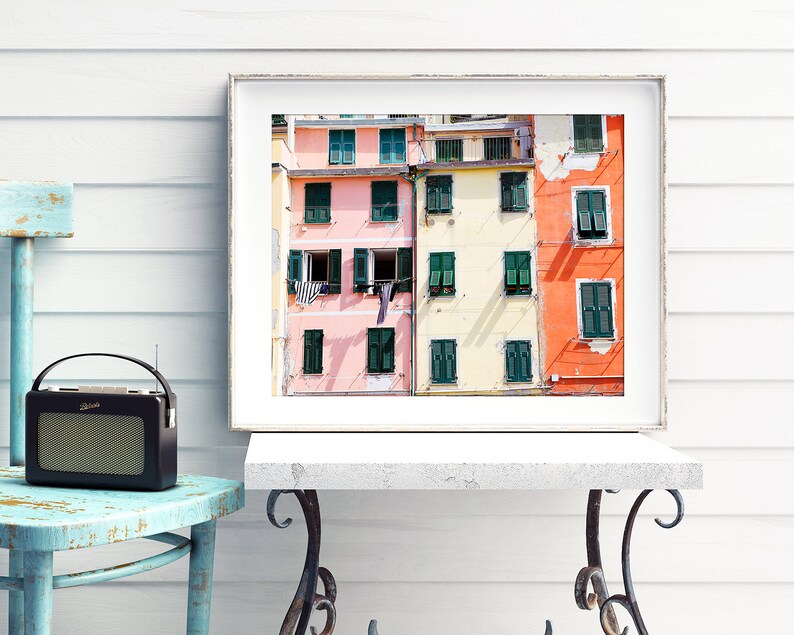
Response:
column 385, row 291
column 306, row 292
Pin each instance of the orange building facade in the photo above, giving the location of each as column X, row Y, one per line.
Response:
column 579, row 212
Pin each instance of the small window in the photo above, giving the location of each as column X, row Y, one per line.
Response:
column 313, row 352
column 384, row 265
column 591, row 215
column 380, row 350
column 449, row 150
column 517, row 275
column 443, row 361
column 341, row 147
column 497, row 148
column 392, row 145
column 317, row 205
column 587, row 133
column 317, row 266
column 384, row 201
column 514, row 191
column 518, row 361
column 597, row 319
column 320, row 266
column 278, row 120
column 442, row 274
column 439, row 194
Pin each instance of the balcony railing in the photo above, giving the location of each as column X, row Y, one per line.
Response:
column 504, row 147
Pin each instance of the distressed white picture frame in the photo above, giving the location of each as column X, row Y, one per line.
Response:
column 253, row 99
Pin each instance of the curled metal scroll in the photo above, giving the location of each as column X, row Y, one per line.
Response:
column 593, row 574
column 307, row 599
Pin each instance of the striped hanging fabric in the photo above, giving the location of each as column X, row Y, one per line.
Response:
column 307, row 292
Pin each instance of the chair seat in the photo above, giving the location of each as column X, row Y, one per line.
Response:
column 36, row 518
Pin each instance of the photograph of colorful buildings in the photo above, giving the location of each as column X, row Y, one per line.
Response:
column 447, row 255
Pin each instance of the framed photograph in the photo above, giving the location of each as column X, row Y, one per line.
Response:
column 433, row 270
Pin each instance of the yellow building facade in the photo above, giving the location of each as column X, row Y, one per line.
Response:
column 477, row 310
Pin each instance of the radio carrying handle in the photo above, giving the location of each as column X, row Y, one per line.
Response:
column 170, row 398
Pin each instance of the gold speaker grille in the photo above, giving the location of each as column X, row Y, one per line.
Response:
column 91, row 443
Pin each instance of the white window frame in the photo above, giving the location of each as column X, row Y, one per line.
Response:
column 307, row 264
column 603, row 138
column 371, row 265
column 580, row 327
column 575, row 219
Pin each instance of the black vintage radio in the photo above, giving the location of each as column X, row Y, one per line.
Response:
column 101, row 436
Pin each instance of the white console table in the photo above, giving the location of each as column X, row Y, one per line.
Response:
column 303, row 463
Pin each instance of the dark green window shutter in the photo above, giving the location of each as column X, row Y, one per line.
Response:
column 591, row 214
column 384, row 200
column 341, row 147
column 596, row 299
column 392, row 145
column 380, row 350
column 518, row 361
column 448, row 279
column 514, row 191
column 588, row 135
column 439, row 194
column 313, row 352
column 295, row 267
column 518, row 279
column 334, row 271
column 598, row 206
column 443, row 356
column 583, row 214
column 435, row 273
column 317, row 206
column 360, row 269
column 594, row 133
column 405, row 268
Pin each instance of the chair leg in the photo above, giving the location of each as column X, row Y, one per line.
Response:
column 16, row 599
column 199, row 596
column 38, row 592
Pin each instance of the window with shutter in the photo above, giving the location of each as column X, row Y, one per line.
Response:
column 334, row 271
column 588, row 133
column 392, row 145
column 405, row 269
column 443, row 362
column 341, row 147
column 313, row 352
column 442, row 274
column 439, row 194
column 317, row 204
column 518, row 280
column 518, row 361
column 295, row 268
column 384, row 201
column 514, row 191
column 596, row 307
column 380, row 350
column 449, row 150
column 591, row 215
column 361, row 270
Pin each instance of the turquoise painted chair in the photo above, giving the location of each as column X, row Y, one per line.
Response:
column 36, row 521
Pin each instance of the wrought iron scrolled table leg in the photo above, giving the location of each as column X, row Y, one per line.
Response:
column 593, row 573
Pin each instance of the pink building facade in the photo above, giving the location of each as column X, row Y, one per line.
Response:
column 351, row 228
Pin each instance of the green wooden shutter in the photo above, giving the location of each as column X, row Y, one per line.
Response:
column 405, row 268
column 373, row 350
column 450, row 361
column 334, row 271
column 448, row 266
column 522, row 264
column 583, row 214
column 334, row 147
column 437, row 361
column 384, row 200
column 598, row 207
column 439, row 194
column 295, row 268
column 317, row 204
column 595, row 141
column 519, row 190
column 604, row 301
column 313, row 352
column 524, row 360
column 507, row 190
column 589, row 309
column 511, row 271
column 511, row 361
column 348, row 147
column 386, row 146
column 387, row 351
column 398, row 145
column 580, row 133
column 435, row 272
column 360, row 269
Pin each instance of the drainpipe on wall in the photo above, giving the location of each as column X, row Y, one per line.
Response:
column 413, row 178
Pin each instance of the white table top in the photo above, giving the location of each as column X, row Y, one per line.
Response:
column 466, row 461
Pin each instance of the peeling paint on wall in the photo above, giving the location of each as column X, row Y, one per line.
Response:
column 602, row 347
column 274, row 319
column 276, row 251
column 554, row 155
column 380, row 382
